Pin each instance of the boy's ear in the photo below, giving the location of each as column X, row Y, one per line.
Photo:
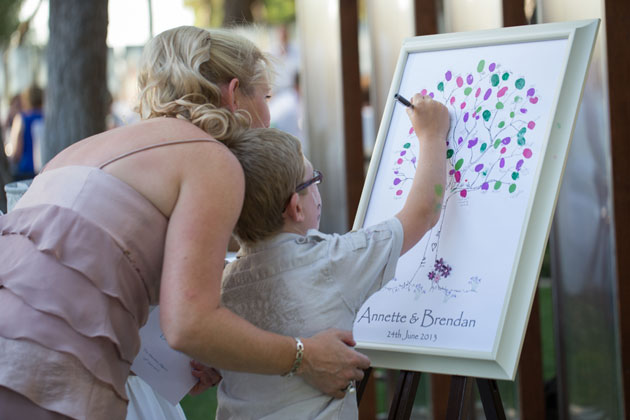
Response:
column 228, row 95
column 294, row 211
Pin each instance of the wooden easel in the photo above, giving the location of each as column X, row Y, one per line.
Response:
column 459, row 401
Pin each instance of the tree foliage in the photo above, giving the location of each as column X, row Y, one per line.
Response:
column 216, row 13
column 9, row 20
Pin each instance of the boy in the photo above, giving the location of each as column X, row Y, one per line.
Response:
column 291, row 279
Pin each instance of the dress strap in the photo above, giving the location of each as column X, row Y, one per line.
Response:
column 153, row 146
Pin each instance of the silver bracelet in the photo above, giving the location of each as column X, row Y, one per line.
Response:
column 299, row 354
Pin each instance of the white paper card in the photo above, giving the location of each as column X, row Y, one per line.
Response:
column 167, row 371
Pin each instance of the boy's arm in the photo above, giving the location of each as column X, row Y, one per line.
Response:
column 422, row 208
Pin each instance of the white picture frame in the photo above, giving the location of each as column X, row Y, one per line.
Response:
column 462, row 66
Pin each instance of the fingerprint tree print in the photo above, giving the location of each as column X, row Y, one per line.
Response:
column 487, row 149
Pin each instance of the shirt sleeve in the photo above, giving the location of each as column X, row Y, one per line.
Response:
column 364, row 260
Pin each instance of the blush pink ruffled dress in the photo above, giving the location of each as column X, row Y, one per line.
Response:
column 80, row 263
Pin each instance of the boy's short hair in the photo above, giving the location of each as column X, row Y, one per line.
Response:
column 274, row 166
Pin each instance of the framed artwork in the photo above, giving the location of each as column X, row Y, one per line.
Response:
column 460, row 300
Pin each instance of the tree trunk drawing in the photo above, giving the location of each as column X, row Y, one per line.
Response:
column 487, row 151
column 77, row 100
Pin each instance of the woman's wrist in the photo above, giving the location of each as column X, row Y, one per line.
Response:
column 299, row 357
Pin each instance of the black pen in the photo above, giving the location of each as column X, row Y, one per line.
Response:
column 403, row 101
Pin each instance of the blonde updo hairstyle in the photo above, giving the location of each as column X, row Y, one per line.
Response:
column 182, row 71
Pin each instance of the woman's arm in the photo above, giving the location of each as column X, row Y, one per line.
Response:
column 208, row 206
column 16, row 136
column 422, row 208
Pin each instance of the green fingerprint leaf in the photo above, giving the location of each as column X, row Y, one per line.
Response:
column 499, row 105
column 481, row 65
column 497, row 143
column 459, row 164
column 502, row 124
column 449, row 153
column 512, row 188
column 467, row 91
column 497, row 185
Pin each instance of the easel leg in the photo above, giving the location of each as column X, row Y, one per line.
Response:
column 459, row 398
column 404, row 396
column 490, row 398
column 363, row 384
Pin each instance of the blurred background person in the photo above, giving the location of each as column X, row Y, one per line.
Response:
column 26, row 134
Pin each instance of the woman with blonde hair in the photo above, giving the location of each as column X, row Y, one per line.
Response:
column 136, row 216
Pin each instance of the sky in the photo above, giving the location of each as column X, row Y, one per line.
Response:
column 128, row 20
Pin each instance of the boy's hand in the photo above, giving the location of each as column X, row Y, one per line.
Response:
column 429, row 118
column 208, row 377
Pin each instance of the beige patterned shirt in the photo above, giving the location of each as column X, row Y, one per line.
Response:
column 298, row 286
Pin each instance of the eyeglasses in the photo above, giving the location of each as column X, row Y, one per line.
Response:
column 317, row 178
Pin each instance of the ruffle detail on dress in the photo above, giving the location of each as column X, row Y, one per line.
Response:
column 67, row 294
column 72, row 240
column 69, row 287
column 57, row 381
column 98, row 355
